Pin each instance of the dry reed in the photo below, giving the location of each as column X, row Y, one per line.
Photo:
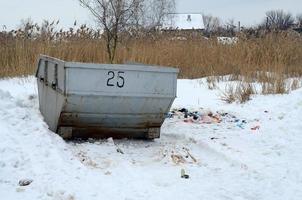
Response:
column 269, row 59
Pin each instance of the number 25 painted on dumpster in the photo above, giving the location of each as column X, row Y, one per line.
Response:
column 121, row 80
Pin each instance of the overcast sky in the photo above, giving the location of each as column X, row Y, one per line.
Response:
column 249, row 12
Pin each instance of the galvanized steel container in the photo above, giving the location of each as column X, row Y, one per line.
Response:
column 79, row 99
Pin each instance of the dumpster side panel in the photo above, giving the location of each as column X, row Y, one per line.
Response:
column 117, row 104
column 117, row 98
column 120, row 82
column 52, row 72
column 134, row 121
column 51, row 105
column 61, row 78
column 51, row 85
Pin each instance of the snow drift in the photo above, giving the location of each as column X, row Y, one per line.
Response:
column 226, row 160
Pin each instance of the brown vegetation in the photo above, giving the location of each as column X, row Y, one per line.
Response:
column 268, row 59
column 241, row 93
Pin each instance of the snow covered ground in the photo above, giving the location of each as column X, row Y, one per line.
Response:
column 224, row 160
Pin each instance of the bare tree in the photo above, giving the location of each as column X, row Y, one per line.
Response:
column 230, row 27
column 211, row 23
column 230, row 24
column 117, row 16
column 114, row 17
column 299, row 20
column 278, row 20
column 156, row 12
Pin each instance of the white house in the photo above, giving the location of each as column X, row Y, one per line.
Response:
column 184, row 21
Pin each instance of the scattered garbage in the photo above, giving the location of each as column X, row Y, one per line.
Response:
column 119, row 150
column 183, row 174
column 25, row 182
column 189, row 154
column 204, row 117
column 255, row 128
column 177, row 158
column 20, row 189
column 240, row 123
column 182, row 156
column 108, row 173
column 195, row 116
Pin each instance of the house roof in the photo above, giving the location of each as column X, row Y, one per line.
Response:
column 184, row 21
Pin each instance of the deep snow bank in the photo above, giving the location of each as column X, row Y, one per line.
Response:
column 224, row 160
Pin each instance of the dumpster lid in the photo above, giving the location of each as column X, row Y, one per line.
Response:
column 130, row 66
column 133, row 67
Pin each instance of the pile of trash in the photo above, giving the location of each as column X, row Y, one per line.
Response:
column 202, row 116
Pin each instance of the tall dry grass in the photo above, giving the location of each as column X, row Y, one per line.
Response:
column 268, row 59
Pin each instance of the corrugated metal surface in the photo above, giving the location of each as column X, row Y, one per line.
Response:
column 103, row 97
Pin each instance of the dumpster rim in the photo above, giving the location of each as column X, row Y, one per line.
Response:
column 127, row 67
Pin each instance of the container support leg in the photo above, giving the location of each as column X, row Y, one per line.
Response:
column 65, row 132
column 153, row 133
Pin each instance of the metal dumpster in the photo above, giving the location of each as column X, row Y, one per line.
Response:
column 106, row 100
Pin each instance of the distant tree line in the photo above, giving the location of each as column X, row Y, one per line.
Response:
column 275, row 20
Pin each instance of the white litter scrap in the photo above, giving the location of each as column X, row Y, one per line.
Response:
column 227, row 40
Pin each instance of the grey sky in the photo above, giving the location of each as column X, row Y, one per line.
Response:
column 12, row 11
column 249, row 12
